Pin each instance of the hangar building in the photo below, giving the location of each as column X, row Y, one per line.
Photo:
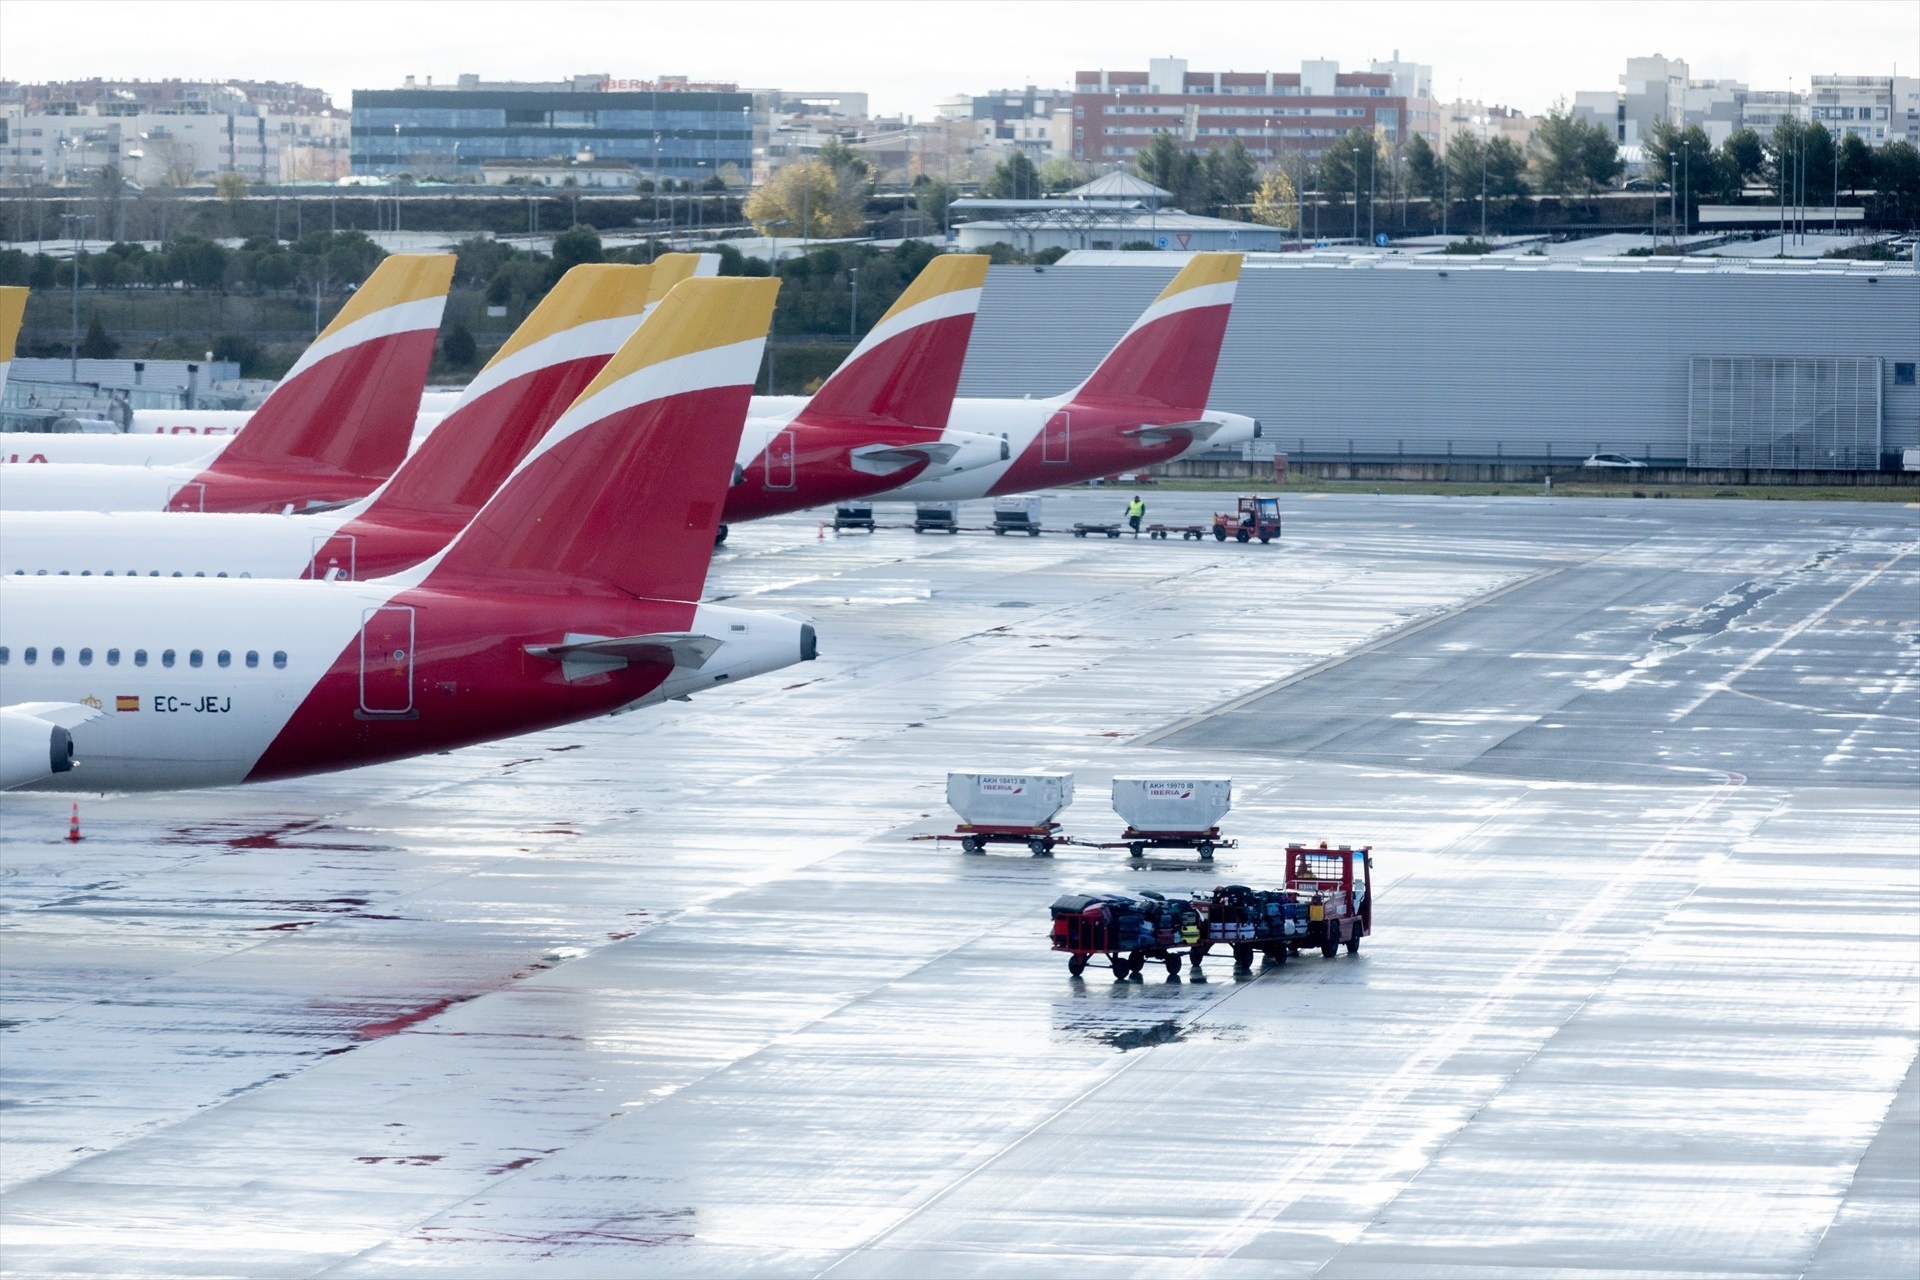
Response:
column 1690, row 361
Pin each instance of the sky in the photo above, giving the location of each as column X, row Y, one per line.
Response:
column 908, row 56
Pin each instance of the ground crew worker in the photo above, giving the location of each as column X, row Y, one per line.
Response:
column 1135, row 510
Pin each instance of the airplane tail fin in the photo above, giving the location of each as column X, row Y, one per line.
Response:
column 348, row 403
column 904, row 373
column 540, row 370
column 13, row 308
column 624, row 494
column 1166, row 360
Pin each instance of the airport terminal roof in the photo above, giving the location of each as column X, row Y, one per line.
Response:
column 1355, row 259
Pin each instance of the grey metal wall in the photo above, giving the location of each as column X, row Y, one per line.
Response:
column 1434, row 358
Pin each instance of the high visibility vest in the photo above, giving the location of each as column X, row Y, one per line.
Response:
column 1136, row 509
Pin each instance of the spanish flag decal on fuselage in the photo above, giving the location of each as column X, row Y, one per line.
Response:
column 124, row 703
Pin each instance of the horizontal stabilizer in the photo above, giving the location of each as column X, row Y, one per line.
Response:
column 885, row 459
column 1175, row 431
column 64, row 714
column 583, row 655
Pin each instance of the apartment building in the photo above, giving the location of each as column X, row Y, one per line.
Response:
column 169, row 133
column 1117, row 113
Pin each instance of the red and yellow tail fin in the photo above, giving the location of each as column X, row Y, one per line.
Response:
column 625, row 492
column 1167, row 359
column 13, row 308
column 348, row 403
column 905, row 371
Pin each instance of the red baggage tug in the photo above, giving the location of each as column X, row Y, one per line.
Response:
column 1337, row 886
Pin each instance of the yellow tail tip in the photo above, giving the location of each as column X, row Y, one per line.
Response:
column 1203, row 270
column 400, row 278
column 698, row 315
column 13, row 309
column 589, row 292
column 948, row 273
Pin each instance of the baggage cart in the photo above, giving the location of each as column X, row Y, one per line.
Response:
column 1018, row 514
column 936, row 517
column 1196, row 532
column 1008, row 808
column 1081, row 530
column 1172, row 813
column 853, row 516
column 1126, row 931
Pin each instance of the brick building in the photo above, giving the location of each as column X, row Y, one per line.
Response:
column 1116, row 113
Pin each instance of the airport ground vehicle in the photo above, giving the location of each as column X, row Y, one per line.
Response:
column 1326, row 902
column 1007, row 808
column 1337, row 886
column 1620, row 460
column 1018, row 515
column 1257, row 517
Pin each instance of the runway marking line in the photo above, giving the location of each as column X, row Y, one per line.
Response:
column 1420, row 1069
column 1726, row 685
column 1329, row 664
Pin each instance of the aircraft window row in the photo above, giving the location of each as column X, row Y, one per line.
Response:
column 131, row 573
column 195, row 657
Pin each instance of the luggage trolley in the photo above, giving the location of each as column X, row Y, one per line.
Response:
column 1128, row 932
column 1007, row 808
column 1171, row 813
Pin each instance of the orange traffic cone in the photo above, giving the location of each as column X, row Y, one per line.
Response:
column 822, row 531
column 73, row 825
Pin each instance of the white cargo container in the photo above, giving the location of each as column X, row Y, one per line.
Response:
column 1172, row 806
column 1025, row 800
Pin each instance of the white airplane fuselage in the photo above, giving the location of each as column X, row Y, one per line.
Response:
column 198, row 681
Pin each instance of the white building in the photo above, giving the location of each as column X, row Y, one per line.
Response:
column 217, row 129
column 1859, row 105
column 582, row 170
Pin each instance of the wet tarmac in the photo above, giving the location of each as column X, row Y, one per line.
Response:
column 676, row 993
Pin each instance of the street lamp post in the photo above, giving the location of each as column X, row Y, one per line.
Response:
column 773, row 269
column 853, row 310
column 73, row 348
column 396, row 181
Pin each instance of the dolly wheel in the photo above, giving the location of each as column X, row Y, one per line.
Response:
column 1265, row 538
column 1173, row 966
column 1040, row 846
column 719, row 535
column 1205, row 848
column 1136, row 850
column 1121, row 967
column 1243, row 957
column 970, row 844
column 1076, row 965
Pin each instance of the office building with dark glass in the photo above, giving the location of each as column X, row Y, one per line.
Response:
column 681, row 130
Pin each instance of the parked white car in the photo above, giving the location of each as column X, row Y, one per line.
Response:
column 1611, row 460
